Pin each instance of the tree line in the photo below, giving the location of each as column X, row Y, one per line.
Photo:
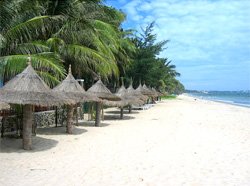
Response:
column 86, row 34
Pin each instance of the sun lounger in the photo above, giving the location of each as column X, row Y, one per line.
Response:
column 143, row 107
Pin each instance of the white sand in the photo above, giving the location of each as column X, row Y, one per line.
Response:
column 177, row 142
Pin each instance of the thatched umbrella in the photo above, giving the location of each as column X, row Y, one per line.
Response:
column 151, row 93
column 4, row 106
column 126, row 99
column 143, row 91
column 102, row 92
column 28, row 89
column 133, row 92
column 72, row 89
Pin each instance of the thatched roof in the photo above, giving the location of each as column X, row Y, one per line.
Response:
column 133, row 92
column 4, row 106
column 144, row 91
column 149, row 90
column 102, row 92
column 126, row 98
column 158, row 93
column 71, row 89
column 28, row 88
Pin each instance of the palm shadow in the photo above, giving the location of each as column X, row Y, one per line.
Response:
column 92, row 124
column 10, row 144
column 59, row 131
column 124, row 112
column 117, row 117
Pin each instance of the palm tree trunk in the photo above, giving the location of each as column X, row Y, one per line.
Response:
column 98, row 114
column 27, row 127
column 121, row 113
column 69, row 127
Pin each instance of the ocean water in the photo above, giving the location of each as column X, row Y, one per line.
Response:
column 241, row 98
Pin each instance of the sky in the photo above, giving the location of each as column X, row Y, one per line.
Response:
column 209, row 39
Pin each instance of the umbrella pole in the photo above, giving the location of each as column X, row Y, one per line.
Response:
column 27, row 127
column 77, row 115
column 102, row 113
column 69, row 126
column 121, row 113
column 98, row 114
column 33, row 121
column 56, row 117
column 3, row 122
column 129, row 109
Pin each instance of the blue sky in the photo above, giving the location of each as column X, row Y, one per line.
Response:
column 209, row 39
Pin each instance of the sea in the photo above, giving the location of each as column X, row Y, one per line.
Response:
column 241, row 98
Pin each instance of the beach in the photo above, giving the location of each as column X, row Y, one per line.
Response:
column 184, row 141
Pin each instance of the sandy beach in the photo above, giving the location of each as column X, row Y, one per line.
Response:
column 179, row 142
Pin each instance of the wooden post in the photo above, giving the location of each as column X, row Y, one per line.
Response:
column 56, row 117
column 27, row 127
column 77, row 115
column 33, row 121
column 102, row 113
column 3, row 121
column 69, row 127
column 129, row 108
column 91, row 113
column 98, row 114
column 121, row 113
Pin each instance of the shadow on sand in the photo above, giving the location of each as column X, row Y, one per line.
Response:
column 10, row 144
column 117, row 117
column 59, row 131
column 92, row 124
column 124, row 112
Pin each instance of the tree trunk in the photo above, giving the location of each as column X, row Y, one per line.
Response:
column 27, row 127
column 129, row 109
column 121, row 112
column 69, row 127
column 98, row 114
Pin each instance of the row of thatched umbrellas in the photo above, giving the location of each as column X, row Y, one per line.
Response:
column 29, row 90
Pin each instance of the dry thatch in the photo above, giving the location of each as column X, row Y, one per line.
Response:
column 4, row 106
column 156, row 92
column 126, row 99
column 102, row 92
column 133, row 92
column 143, row 90
column 27, row 88
column 151, row 93
column 71, row 89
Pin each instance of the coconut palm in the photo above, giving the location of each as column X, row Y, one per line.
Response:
column 83, row 33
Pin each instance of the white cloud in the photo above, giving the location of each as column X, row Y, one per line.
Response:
column 201, row 31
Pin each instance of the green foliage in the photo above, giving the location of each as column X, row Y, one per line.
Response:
column 146, row 66
column 83, row 33
column 168, row 97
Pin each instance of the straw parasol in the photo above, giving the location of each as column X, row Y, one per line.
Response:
column 4, row 106
column 151, row 93
column 158, row 93
column 143, row 90
column 102, row 92
column 133, row 92
column 28, row 89
column 71, row 89
column 126, row 99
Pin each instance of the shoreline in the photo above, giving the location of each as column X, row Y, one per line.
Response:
column 186, row 94
column 177, row 142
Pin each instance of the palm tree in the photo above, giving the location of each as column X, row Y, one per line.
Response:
column 82, row 33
